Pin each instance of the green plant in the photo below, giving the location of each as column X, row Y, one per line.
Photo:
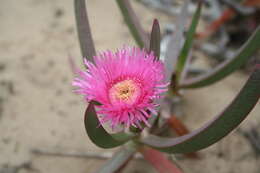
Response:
column 150, row 145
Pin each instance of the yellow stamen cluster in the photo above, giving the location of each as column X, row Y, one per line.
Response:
column 126, row 91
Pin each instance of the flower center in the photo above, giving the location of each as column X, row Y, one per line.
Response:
column 125, row 91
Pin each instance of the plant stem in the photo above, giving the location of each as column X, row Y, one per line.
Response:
column 159, row 161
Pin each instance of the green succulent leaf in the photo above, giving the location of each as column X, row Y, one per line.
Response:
column 98, row 135
column 84, row 34
column 118, row 161
column 155, row 39
column 228, row 66
column 218, row 127
column 133, row 23
column 188, row 42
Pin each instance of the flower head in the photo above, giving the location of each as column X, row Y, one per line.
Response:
column 126, row 83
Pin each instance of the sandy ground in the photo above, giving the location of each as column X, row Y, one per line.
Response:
column 39, row 111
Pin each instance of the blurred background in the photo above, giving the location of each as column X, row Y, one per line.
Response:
column 41, row 119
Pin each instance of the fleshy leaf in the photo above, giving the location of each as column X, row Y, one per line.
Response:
column 155, row 39
column 133, row 23
column 98, row 135
column 227, row 67
column 118, row 161
column 188, row 42
column 218, row 127
column 84, row 34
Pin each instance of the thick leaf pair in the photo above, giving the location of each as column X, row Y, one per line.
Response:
column 207, row 135
column 218, row 127
column 94, row 129
column 239, row 108
column 201, row 138
column 232, row 116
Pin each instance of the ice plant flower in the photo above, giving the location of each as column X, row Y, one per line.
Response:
column 126, row 84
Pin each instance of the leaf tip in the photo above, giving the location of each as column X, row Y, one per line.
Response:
column 155, row 22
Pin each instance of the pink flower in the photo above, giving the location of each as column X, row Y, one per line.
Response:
column 126, row 83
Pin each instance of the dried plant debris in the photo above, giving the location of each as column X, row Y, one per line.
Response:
column 6, row 88
column 15, row 169
column 253, row 137
column 2, row 67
